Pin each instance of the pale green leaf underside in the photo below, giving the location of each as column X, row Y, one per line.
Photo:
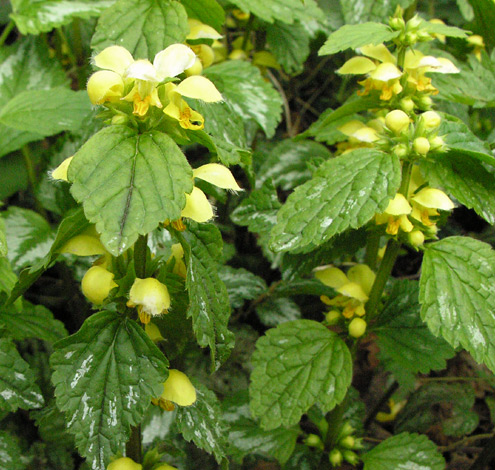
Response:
column 17, row 386
column 104, row 377
column 345, row 192
column 458, row 295
column 42, row 16
column 407, row 451
column 144, row 27
column 296, row 365
column 129, row 183
column 354, row 36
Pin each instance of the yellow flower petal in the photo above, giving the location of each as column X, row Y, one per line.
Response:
column 173, row 60
column 218, row 175
column 153, row 332
column 203, row 31
column 97, row 284
column 197, row 206
column 432, row 198
column 124, row 463
column 84, row 245
column 178, row 388
column 353, row 290
column 363, row 275
column 379, row 52
column 385, row 72
column 114, row 58
column 331, row 276
column 200, row 88
column 151, row 295
column 105, row 85
column 398, row 206
column 349, row 128
column 366, row 134
column 357, row 66
column 143, row 70
column 60, row 173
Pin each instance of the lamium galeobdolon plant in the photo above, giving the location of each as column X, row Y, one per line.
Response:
column 355, row 295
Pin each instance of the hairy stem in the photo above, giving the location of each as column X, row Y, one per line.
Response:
column 140, row 253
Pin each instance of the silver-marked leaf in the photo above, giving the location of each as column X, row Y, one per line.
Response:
column 345, row 192
column 275, row 311
column 11, row 452
column 104, row 377
column 128, row 183
column 407, row 451
column 457, row 294
column 241, row 285
column 17, row 386
column 296, row 365
column 143, row 27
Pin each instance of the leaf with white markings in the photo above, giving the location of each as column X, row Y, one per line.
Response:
column 17, row 381
column 345, row 192
column 296, row 365
column 11, row 452
column 104, row 377
column 458, row 296
column 241, row 285
column 128, row 183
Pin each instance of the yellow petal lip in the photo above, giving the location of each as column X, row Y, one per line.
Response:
column 357, row 66
column 114, row 58
column 173, row 60
column 379, row 52
column 104, row 85
column 476, row 40
column 142, row 69
column 200, row 88
column 385, row 72
column 349, row 128
column 331, row 276
column 60, row 173
column 84, row 245
column 203, row 31
column 151, row 295
column 178, row 388
column 363, row 275
column 353, row 290
column 432, row 198
column 366, row 134
column 218, row 175
column 398, row 206
column 197, row 206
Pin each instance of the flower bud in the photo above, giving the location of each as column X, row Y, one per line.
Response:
column 414, row 22
column 431, row 119
column 195, row 69
column 421, row 145
column 206, row 54
column 105, row 85
column 97, row 284
column 438, row 144
column 397, row 121
column 314, row 441
column 397, row 23
column 335, row 457
column 357, row 327
column 119, row 119
column 411, row 38
column 424, row 103
column 178, row 389
column 332, row 317
column 401, row 150
column 238, row 54
column 346, row 430
column 351, row 457
column 416, row 238
column 84, row 245
column 347, row 442
column 165, row 466
column 406, row 104
column 124, row 463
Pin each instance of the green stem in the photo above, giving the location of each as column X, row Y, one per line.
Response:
column 140, row 254
column 6, row 32
column 31, row 174
column 401, row 57
column 372, row 250
column 247, row 32
column 133, row 446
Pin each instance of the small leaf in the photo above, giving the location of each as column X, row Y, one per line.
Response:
column 296, row 365
column 46, row 112
column 345, row 192
column 209, row 302
column 17, row 381
column 207, row 11
column 354, row 36
column 202, row 423
column 443, row 29
column 465, row 178
column 250, row 96
column 42, row 16
column 275, row 311
column 128, row 183
column 457, row 295
column 484, row 11
column 11, row 452
column 143, row 27
column 241, row 285
column 406, row 345
column 104, row 377
column 410, row 450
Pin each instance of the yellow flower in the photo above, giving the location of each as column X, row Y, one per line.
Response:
column 60, row 173
column 197, row 206
column 150, row 296
column 97, row 284
column 178, row 256
column 177, row 389
column 84, row 244
column 124, row 463
column 153, row 332
column 395, row 215
column 478, row 44
column 426, row 202
column 354, row 288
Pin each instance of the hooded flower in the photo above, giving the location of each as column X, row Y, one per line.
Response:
column 177, row 389
column 395, row 215
column 150, row 296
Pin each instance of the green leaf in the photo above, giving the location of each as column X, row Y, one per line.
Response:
column 17, row 380
column 484, row 11
column 457, row 295
column 461, row 140
column 46, row 112
column 275, row 311
column 406, row 345
column 206, row 11
column 296, row 365
column 128, row 183
column 29, row 236
column 7, row 276
column 439, row 28
column 32, row 321
column 286, row 11
column 143, row 27
column 439, row 402
column 359, row 11
column 104, row 377
column 286, row 164
column 289, row 44
column 241, row 285
column 246, row 437
column 209, row 302
column 202, row 423
column 248, row 93
column 354, row 36
column 345, row 192
column 3, row 239
column 466, row 179
column 286, row 288
column 407, row 450
column 42, row 16
column 11, row 452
